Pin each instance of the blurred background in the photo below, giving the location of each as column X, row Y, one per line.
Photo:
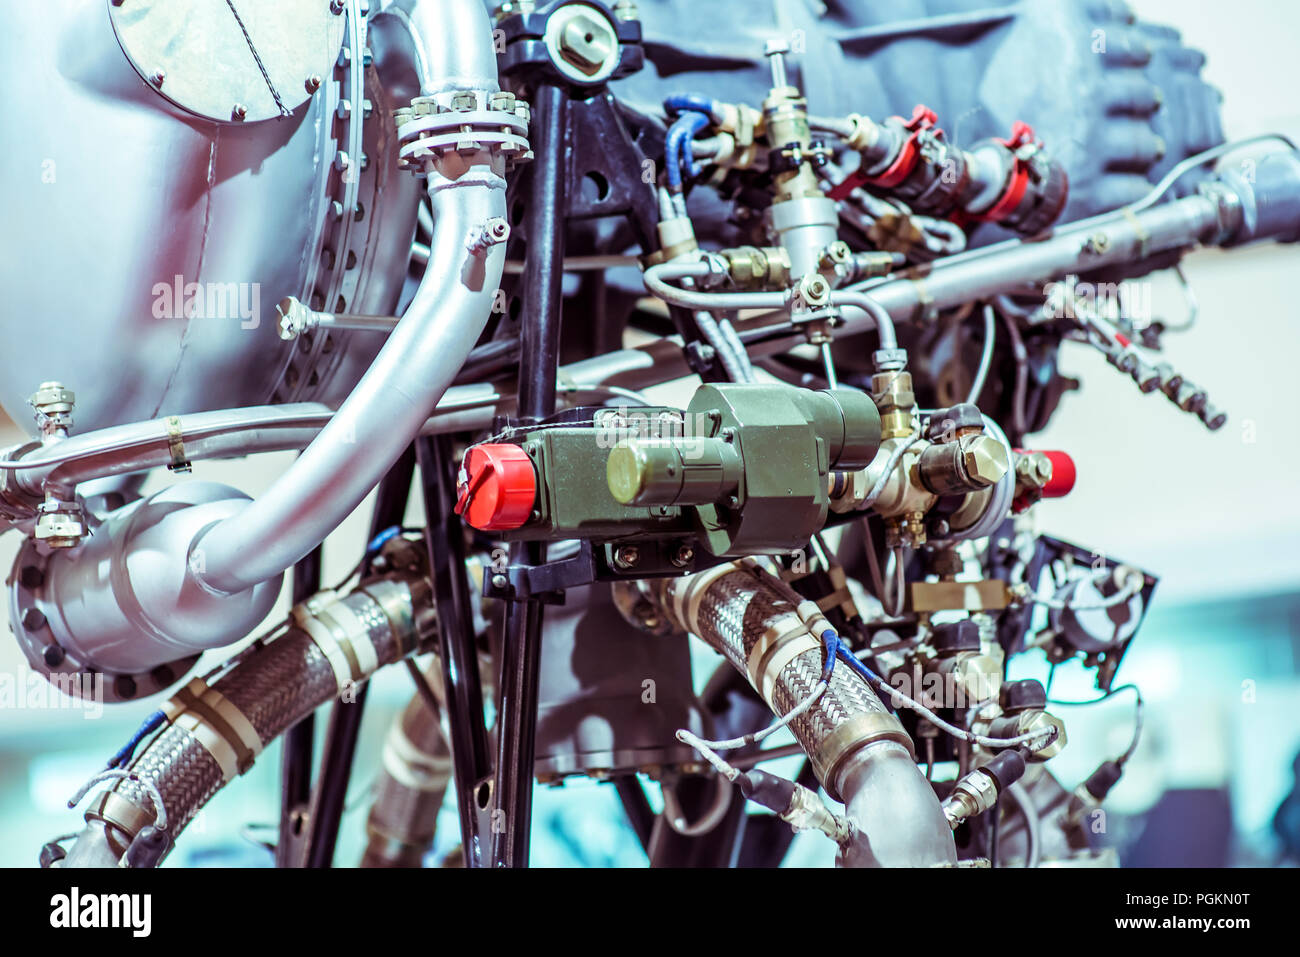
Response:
column 1215, row 516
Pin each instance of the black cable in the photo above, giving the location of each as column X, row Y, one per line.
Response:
column 423, row 687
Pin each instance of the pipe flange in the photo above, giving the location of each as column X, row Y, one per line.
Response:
column 65, row 668
column 444, row 133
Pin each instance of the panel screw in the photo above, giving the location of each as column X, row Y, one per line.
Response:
column 313, row 83
column 158, row 76
column 239, row 112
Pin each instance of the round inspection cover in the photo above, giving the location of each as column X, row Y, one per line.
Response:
column 203, row 55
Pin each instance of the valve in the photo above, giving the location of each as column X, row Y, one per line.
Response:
column 743, row 470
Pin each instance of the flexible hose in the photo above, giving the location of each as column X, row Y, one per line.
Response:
column 217, row 729
column 408, row 792
column 859, row 750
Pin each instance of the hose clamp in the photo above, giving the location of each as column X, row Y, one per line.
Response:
column 850, row 737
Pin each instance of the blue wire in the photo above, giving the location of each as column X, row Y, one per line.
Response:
column 873, row 679
column 677, row 147
column 379, row 540
column 832, row 643
column 698, row 122
column 151, row 724
column 695, row 102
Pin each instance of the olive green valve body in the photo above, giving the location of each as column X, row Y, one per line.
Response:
column 743, row 470
column 752, row 463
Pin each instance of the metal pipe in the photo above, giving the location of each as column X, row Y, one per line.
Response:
column 860, row 752
column 453, row 43
column 414, row 773
column 385, row 411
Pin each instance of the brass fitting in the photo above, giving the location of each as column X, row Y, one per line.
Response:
column 892, row 392
column 753, row 268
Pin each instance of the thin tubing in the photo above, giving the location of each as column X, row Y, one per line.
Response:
column 986, row 358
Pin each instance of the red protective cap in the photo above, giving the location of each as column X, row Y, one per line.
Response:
column 1063, row 474
column 497, row 487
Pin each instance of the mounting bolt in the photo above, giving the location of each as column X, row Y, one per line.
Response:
column 683, row 556
column 313, row 84
column 499, row 582
column 158, row 76
column 627, row 556
column 239, row 112
column 336, row 6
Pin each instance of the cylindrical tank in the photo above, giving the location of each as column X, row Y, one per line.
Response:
column 145, row 247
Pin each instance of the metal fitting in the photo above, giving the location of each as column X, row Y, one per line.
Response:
column 492, row 233
column 60, row 524
column 53, row 405
column 973, row 795
column 753, row 268
column 453, row 131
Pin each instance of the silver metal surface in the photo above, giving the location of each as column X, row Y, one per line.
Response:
column 231, row 61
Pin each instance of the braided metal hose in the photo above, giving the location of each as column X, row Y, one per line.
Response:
column 859, row 750
column 409, row 789
column 217, row 730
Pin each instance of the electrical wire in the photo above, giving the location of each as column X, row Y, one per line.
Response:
column 123, row 757
column 118, row 774
column 1021, row 356
column 1139, row 708
column 887, row 691
column 986, row 357
column 1133, row 583
column 831, row 643
column 890, row 464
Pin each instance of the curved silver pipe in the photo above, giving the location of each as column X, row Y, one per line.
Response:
column 889, row 800
column 468, row 61
column 390, row 404
column 197, row 566
column 387, row 408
